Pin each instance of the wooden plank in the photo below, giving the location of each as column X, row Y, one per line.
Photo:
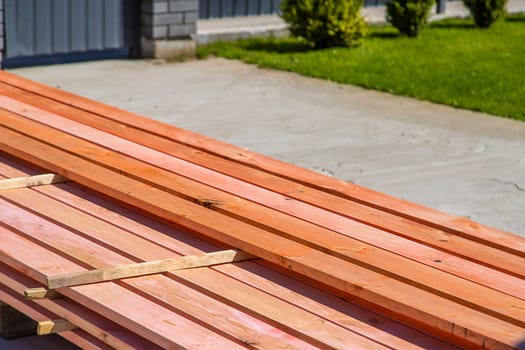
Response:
column 244, row 301
column 352, row 280
column 102, row 329
column 267, row 281
column 86, row 342
column 40, row 293
column 452, row 287
column 31, row 181
column 83, row 341
column 36, row 312
column 146, row 268
column 320, row 303
column 166, row 329
column 456, row 289
column 54, row 326
column 182, row 296
column 187, row 301
column 462, row 226
column 412, row 230
column 440, row 260
column 308, row 234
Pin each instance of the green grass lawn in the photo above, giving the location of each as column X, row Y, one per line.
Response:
column 452, row 62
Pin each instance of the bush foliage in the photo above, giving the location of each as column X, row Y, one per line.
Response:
column 485, row 12
column 325, row 23
column 408, row 16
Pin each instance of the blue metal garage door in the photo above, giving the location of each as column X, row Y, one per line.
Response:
column 51, row 31
column 232, row 8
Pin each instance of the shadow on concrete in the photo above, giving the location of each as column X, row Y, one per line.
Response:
column 284, row 46
column 296, row 46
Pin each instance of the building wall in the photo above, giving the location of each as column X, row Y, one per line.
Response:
column 168, row 27
column 55, row 31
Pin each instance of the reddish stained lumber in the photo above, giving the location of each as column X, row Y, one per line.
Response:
column 322, row 304
column 446, row 285
column 36, row 312
column 366, row 284
column 446, row 262
column 107, row 331
column 363, row 321
column 169, row 330
column 490, row 236
column 308, row 234
column 190, row 302
column 85, row 343
column 186, row 301
column 413, row 230
column 476, row 295
column 201, row 281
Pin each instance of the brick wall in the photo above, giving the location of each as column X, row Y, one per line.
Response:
column 167, row 24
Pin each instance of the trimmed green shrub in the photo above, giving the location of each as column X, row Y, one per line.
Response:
column 325, row 23
column 486, row 12
column 408, row 16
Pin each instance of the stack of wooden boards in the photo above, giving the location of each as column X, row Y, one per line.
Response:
column 148, row 236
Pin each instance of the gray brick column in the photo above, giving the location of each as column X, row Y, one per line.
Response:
column 168, row 27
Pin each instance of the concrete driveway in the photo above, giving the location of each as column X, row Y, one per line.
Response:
column 461, row 162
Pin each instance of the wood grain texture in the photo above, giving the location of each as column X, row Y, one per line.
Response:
column 455, row 282
column 342, row 313
column 291, row 227
column 462, row 226
column 106, row 331
column 157, row 178
column 170, row 331
column 439, row 256
column 36, row 312
column 176, row 296
column 30, row 181
column 350, row 279
column 146, row 268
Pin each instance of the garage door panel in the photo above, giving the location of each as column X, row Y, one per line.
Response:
column 113, row 26
column 60, row 11
column 43, row 18
column 37, row 28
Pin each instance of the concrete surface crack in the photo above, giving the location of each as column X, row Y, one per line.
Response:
column 513, row 184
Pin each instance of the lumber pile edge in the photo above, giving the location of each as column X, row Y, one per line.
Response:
column 447, row 277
